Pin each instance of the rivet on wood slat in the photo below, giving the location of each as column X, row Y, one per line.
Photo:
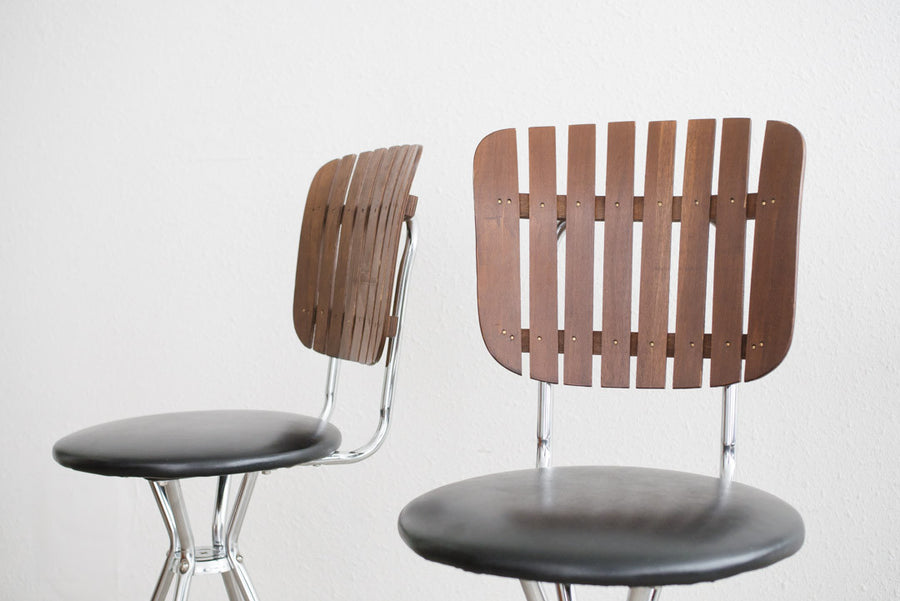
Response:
column 511, row 337
column 652, row 344
column 692, row 345
column 753, row 347
column 659, row 203
column 539, row 338
column 508, row 200
column 761, row 344
column 772, row 201
column 615, row 342
column 763, row 203
column 727, row 343
column 578, row 203
column 499, row 201
column 503, row 332
column 696, row 201
column 732, row 200
column 617, row 203
column 573, row 339
column 542, row 205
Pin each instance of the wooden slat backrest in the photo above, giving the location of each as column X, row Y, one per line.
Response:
column 499, row 207
column 349, row 242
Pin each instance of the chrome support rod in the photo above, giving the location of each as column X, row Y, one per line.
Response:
column 331, row 376
column 640, row 593
column 170, row 566
column 532, row 590
column 564, row 592
column 390, row 365
column 186, row 561
column 241, row 580
column 545, row 424
column 218, row 529
column 726, row 467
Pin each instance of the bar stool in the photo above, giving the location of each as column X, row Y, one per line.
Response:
column 626, row 526
column 349, row 298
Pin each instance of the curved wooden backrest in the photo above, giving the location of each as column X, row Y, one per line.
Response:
column 776, row 208
column 349, row 242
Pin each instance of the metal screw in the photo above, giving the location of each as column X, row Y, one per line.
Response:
column 753, row 346
column 240, row 558
column 659, row 203
column 615, row 342
column 732, row 200
column 617, row 203
column 499, row 201
column 503, row 332
column 573, row 339
column 727, row 343
column 764, row 203
column 512, row 337
column 184, row 567
column 577, row 203
column 508, row 201
column 772, row 201
column 692, row 345
column 652, row 343
column 542, row 204
column 696, row 201
column 761, row 344
column 539, row 338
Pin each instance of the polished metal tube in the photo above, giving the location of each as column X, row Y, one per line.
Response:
column 161, row 591
column 240, row 579
column 727, row 464
column 564, row 592
column 390, row 366
column 219, row 517
column 331, row 376
column 186, row 562
column 640, row 593
column 545, row 424
column 532, row 590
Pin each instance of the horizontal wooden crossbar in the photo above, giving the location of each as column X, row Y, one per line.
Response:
column 597, row 343
column 600, row 207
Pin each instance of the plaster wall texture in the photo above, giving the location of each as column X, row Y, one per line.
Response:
column 154, row 162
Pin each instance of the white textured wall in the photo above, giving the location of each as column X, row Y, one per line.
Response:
column 154, row 160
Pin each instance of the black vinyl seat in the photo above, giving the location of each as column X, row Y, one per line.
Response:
column 197, row 443
column 616, row 526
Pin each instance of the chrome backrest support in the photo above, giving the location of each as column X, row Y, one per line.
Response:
column 390, row 365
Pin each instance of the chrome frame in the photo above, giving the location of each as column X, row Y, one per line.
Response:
column 390, row 366
column 641, row 593
column 184, row 559
column 729, row 440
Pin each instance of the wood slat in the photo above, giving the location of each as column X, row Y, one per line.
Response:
column 693, row 253
column 731, row 233
column 345, row 251
column 358, row 253
column 495, row 183
column 376, row 253
column 579, row 254
column 543, row 286
column 308, row 251
column 329, row 248
column 656, row 256
column 389, row 251
column 773, row 280
column 366, row 280
column 617, row 255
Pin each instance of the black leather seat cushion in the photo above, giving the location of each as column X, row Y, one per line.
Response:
column 197, row 443
column 602, row 525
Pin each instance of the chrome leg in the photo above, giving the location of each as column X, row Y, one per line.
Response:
column 235, row 559
column 532, row 590
column 564, row 592
column 169, row 567
column 640, row 593
column 184, row 565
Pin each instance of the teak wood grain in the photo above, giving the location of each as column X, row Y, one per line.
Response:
column 542, row 287
column 731, row 232
column 656, row 251
column 496, row 184
column 617, row 253
column 692, row 256
column 773, row 280
column 348, row 250
column 499, row 206
column 579, row 297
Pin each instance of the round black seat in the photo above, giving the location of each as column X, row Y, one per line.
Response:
column 169, row 446
column 602, row 525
